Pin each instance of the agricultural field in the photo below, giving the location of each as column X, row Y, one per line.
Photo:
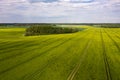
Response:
column 90, row 54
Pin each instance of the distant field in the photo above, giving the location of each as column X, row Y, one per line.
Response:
column 91, row 54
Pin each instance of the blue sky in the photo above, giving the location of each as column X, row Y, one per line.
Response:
column 59, row 11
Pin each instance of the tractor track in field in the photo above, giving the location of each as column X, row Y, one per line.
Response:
column 76, row 68
column 13, row 44
column 19, row 43
column 12, row 56
column 115, row 43
column 114, row 32
column 107, row 67
column 10, row 68
column 29, row 43
column 117, row 36
column 3, row 43
column 39, row 71
column 15, row 55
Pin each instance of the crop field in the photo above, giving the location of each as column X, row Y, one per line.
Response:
column 90, row 54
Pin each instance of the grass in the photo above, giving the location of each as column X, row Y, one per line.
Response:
column 91, row 54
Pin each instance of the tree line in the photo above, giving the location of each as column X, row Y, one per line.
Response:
column 108, row 25
column 48, row 29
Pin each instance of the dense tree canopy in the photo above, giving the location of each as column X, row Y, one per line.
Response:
column 48, row 29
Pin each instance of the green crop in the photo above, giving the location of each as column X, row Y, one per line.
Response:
column 90, row 54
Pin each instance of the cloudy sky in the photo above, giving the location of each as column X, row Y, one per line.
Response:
column 60, row 11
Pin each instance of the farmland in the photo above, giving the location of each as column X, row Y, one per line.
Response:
column 90, row 54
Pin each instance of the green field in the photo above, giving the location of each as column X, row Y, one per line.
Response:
column 91, row 54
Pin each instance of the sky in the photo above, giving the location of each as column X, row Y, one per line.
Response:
column 59, row 11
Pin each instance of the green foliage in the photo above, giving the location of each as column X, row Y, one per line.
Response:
column 49, row 29
column 108, row 25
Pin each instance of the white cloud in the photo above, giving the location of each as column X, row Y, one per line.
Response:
column 36, row 9
column 56, row 9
